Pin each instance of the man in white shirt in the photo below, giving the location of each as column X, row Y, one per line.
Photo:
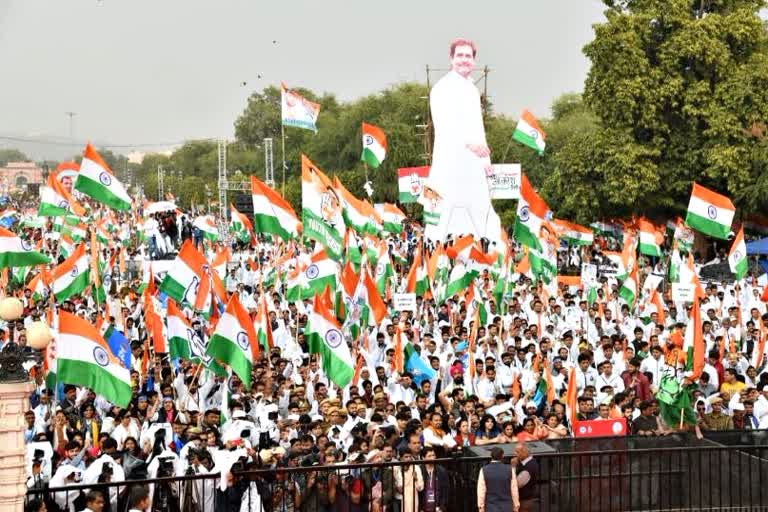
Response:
column 655, row 365
column 399, row 388
column 461, row 158
column 608, row 378
column 585, row 374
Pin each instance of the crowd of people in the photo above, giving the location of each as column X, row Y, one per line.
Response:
column 504, row 380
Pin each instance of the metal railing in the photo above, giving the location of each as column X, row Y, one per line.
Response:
column 685, row 474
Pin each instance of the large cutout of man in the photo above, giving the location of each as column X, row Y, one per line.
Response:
column 460, row 157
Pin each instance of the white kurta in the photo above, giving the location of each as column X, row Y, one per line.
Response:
column 457, row 174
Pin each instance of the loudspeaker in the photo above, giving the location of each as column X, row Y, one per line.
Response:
column 244, row 204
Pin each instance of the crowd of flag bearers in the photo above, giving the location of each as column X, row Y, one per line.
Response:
column 342, row 335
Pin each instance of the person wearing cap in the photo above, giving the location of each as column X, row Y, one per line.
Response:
column 716, row 420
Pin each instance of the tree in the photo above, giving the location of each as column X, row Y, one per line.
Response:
column 11, row 155
column 679, row 91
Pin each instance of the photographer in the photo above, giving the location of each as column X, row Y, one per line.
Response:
column 198, row 495
column 105, row 470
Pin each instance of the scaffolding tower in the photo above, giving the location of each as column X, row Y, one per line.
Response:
column 269, row 167
column 160, row 179
column 223, row 181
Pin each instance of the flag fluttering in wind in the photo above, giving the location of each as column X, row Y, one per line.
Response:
column 234, row 341
column 710, row 212
column 321, row 209
column 15, row 252
column 55, row 200
column 85, row 359
column 410, row 181
column 96, row 180
column 271, row 213
column 298, row 111
column 72, row 276
column 531, row 212
column 324, row 337
column 374, row 145
column 737, row 257
column 529, row 133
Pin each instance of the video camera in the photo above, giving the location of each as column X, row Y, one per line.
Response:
column 166, row 467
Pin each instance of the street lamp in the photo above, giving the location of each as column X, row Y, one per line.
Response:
column 12, row 356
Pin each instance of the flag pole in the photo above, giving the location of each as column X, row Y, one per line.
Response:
column 282, row 138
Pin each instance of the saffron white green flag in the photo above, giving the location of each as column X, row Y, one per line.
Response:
column 531, row 212
column 298, row 111
column 710, row 212
column 72, row 276
column 410, row 181
column 15, row 252
column 234, row 341
column 374, row 145
column 84, row 358
column 321, row 271
column 271, row 213
column 324, row 337
column 207, row 226
column 737, row 258
column 96, row 180
column 529, row 133
column 321, row 209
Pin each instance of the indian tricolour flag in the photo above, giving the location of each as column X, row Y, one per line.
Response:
column 384, row 269
column 417, row 280
column 55, row 200
column 324, row 337
column 572, row 233
column 84, row 358
column 374, row 145
column 96, row 180
column 179, row 331
column 15, row 252
column 298, row 111
column 628, row 290
column 710, row 212
column 651, row 238
column 321, row 209
column 234, row 341
column 184, row 277
column 531, row 212
column 72, row 276
column 353, row 209
column 737, row 258
column 271, row 213
column 240, row 225
column 315, row 276
column 391, row 216
column 529, row 133
column 207, row 225
column 459, row 279
column 410, row 181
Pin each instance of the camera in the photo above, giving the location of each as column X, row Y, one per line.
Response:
column 166, row 467
column 245, row 433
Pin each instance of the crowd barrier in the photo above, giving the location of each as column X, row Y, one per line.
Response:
column 723, row 471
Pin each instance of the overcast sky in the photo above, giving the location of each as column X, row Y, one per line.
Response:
column 160, row 71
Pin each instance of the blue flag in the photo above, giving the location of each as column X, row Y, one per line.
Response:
column 414, row 364
column 119, row 345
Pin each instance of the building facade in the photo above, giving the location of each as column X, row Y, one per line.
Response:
column 17, row 176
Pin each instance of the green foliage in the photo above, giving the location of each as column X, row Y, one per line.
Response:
column 11, row 155
column 679, row 88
